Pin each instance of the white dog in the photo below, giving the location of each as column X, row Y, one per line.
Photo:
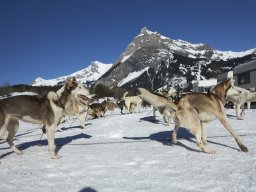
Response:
column 240, row 99
column 132, row 100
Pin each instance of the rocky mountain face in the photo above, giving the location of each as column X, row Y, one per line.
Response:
column 152, row 61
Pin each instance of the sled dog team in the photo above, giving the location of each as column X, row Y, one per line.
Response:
column 192, row 110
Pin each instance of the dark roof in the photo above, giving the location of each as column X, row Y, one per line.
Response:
column 249, row 66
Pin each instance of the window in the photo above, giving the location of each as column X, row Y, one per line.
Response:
column 243, row 78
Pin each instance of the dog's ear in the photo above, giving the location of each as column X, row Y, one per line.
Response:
column 232, row 81
column 70, row 82
column 73, row 79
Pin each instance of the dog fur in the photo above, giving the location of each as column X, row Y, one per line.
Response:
column 109, row 105
column 97, row 110
column 79, row 109
column 194, row 110
column 132, row 100
column 245, row 96
column 166, row 112
column 121, row 105
column 46, row 110
column 167, row 93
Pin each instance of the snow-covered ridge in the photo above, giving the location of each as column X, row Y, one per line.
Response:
column 132, row 76
column 92, row 73
column 199, row 50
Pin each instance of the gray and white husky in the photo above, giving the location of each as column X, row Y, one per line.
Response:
column 46, row 110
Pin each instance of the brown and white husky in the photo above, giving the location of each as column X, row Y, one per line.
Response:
column 193, row 110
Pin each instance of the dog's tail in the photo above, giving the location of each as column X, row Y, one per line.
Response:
column 124, row 95
column 156, row 100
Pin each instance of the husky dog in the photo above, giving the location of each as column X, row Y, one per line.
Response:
column 167, row 93
column 78, row 108
column 252, row 90
column 193, row 110
column 166, row 112
column 129, row 100
column 239, row 100
column 97, row 110
column 110, row 105
column 46, row 110
column 121, row 105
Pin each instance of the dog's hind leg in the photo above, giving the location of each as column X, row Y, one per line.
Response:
column 12, row 128
column 3, row 129
column 226, row 124
column 199, row 142
column 127, row 104
column 3, row 124
column 190, row 119
column 174, row 133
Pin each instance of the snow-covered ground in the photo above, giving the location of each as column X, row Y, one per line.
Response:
column 119, row 153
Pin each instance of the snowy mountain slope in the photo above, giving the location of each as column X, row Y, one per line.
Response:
column 130, row 153
column 167, row 59
column 168, row 62
column 90, row 74
column 149, row 38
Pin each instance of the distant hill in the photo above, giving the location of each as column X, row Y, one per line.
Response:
column 87, row 76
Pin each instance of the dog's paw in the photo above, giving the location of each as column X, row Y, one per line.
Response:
column 243, row 148
column 55, row 156
column 19, row 152
column 204, row 141
column 209, row 151
column 16, row 150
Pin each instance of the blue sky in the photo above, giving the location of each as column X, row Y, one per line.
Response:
column 51, row 38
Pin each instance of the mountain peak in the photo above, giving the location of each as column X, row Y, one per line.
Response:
column 168, row 59
column 87, row 75
column 144, row 30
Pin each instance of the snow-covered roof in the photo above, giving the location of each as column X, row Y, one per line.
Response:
column 206, row 82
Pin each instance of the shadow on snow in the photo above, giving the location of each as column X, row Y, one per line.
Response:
column 164, row 138
column 59, row 142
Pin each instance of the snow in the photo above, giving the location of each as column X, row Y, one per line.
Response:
column 132, row 76
column 197, row 50
column 126, row 57
column 130, row 153
column 17, row 93
column 225, row 55
column 92, row 73
column 207, row 82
